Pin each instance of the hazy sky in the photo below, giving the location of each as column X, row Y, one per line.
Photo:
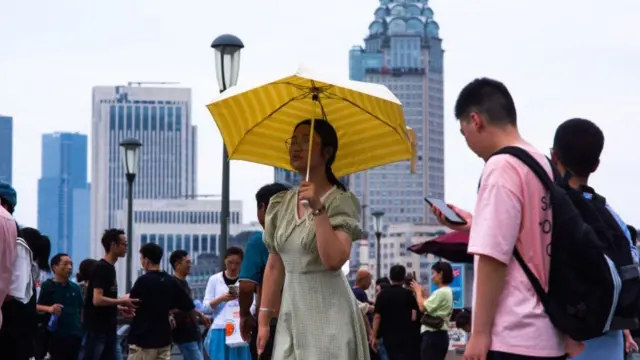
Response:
column 560, row 59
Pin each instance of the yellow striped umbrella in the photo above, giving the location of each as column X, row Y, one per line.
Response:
column 256, row 122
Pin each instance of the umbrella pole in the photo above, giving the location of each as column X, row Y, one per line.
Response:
column 305, row 203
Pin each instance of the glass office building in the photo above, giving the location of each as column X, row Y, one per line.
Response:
column 6, row 149
column 403, row 51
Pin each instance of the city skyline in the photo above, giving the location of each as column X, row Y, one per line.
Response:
column 63, row 194
column 557, row 66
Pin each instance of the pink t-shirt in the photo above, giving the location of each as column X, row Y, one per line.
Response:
column 512, row 209
column 8, row 239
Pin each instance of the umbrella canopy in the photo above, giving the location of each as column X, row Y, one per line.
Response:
column 255, row 122
column 451, row 246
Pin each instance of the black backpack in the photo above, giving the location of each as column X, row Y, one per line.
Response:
column 594, row 285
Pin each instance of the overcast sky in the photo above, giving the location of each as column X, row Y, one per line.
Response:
column 560, row 59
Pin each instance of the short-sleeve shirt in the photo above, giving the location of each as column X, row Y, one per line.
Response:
column 68, row 295
column 158, row 293
column 512, row 210
column 396, row 306
column 8, row 237
column 439, row 304
column 255, row 260
column 101, row 319
column 187, row 329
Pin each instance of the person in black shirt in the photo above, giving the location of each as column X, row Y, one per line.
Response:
column 159, row 293
column 101, row 301
column 186, row 333
column 394, row 315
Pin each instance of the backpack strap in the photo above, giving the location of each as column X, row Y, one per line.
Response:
column 525, row 157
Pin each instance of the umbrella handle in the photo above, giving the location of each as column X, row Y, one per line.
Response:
column 305, row 203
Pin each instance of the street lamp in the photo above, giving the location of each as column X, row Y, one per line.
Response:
column 377, row 227
column 227, row 52
column 130, row 149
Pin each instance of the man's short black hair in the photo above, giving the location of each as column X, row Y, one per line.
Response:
column 397, row 273
column 490, row 98
column 383, row 280
column 234, row 250
column 111, row 237
column 578, row 144
column 445, row 269
column 55, row 260
column 152, row 252
column 268, row 191
column 177, row 256
column 7, row 205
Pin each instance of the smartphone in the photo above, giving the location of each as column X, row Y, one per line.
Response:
column 448, row 213
column 233, row 290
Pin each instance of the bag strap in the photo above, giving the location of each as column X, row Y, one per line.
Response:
column 533, row 164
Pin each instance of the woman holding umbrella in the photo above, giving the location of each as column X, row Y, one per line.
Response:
column 309, row 232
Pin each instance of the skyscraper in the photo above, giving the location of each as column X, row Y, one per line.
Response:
column 6, row 148
column 158, row 116
column 63, row 194
column 403, row 51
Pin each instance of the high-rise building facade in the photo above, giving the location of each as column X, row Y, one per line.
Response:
column 158, row 116
column 63, row 194
column 6, row 148
column 403, row 51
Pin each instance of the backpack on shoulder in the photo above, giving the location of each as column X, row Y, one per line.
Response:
column 594, row 285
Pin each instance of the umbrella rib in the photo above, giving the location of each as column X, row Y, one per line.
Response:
column 295, row 98
column 330, row 95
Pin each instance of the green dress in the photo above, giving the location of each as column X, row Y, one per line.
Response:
column 319, row 318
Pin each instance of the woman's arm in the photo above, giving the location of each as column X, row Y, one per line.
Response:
column 334, row 247
column 420, row 300
column 271, row 289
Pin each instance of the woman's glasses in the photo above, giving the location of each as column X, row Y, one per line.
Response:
column 302, row 141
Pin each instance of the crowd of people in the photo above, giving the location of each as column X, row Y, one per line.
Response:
column 293, row 302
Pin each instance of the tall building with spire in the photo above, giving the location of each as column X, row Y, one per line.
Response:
column 403, row 51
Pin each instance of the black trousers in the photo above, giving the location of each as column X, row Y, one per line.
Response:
column 268, row 349
column 64, row 347
column 434, row 345
column 498, row 355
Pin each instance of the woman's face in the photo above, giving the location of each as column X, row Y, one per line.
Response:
column 298, row 146
column 232, row 264
column 436, row 277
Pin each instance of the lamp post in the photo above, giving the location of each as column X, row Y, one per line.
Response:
column 377, row 226
column 227, row 53
column 130, row 149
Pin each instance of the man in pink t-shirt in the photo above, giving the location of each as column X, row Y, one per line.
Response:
column 512, row 210
column 8, row 238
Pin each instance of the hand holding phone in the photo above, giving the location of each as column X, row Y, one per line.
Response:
column 449, row 216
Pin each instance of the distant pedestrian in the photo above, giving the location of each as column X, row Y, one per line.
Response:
column 186, row 333
column 395, row 311
column 437, row 309
column 64, row 302
column 222, row 292
column 159, row 293
column 8, row 238
column 102, row 303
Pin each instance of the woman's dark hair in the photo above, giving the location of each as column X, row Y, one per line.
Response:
column 40, row 247
column 86, row 269
column 234, row 250
column 384, row 285
column 383, row 280
column 329, row 139
column 444, row 268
